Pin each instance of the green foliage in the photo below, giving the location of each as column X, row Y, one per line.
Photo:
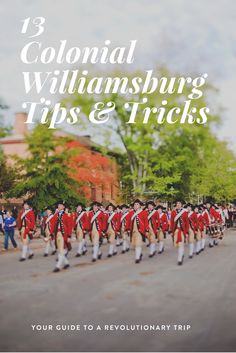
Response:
column 4, row 130
column 166, row 160
column 7, row 175
column 44, row 176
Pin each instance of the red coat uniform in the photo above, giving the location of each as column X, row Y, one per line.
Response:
column 153, row 220
column 200, row 222
column 210, row 217
column 99, row 219
column 125, row 221
column 62, row 222
column 192, row 216
column 163, row 222
column 48, row 222
column 182, row 223
column 82, row 219
column 114, row 220
column 141, row 220
column 26, row 220
column 217, row 216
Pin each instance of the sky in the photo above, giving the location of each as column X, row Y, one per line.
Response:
column 189, row 37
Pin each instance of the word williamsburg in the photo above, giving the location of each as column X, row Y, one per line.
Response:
column 80, row 82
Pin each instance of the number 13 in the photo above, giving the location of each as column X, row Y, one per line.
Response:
column 37, row 22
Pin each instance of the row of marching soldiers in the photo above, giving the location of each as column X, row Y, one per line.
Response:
column 133, row 225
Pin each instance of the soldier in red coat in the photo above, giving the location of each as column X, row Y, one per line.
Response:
column 125, row 227
column 81, row 227
column 26, row 225
column 97, row 226
column 179, row 226
column 48, row 236
column 139, row 228
column 192, row 216
column 163, row 227
column 153, row 222
column 62, row 229
column 202, row 227
column 119, row 240
column 112, row 221
column 210, row 218
column 218, row 223
column 200, row 230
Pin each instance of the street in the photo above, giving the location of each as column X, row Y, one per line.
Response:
column 115, row 291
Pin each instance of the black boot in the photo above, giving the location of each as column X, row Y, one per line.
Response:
column 56, row 269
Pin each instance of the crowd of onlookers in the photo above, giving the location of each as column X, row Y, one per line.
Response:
column 8, row 221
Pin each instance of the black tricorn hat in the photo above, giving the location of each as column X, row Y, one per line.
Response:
column 179, row 200
column 62, row 202
column 189, row 205
column 49, row 208
column 160, row 206
column 80, row 204
column 27, row 202
column 137, row 201
column 124, row 206
column 150, row 202
column 111, row 205
column 96, row 203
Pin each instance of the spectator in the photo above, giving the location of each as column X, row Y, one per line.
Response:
column 9, row 224
column 3, row 212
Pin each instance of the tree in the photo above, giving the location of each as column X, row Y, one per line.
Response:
column 161, row 160
column 7, row 176
column 44, row 176
column 4, row 130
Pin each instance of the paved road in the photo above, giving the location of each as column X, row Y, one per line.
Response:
column 201, row 294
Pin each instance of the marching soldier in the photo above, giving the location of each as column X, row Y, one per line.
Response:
column 138, row 228
column 199, row 231
column 119, row 241
column 48, row 236
column 209, row 216
column 125, row 226
column 202, row 227
column 153, row 222
column 97, row 225
column 219, row 224
column 179, row 225
column 81, row 226
column 163, row 228
column 224, row 217
column 112, row 220
column 192, row 228
column 26, row 226
column 62, row 229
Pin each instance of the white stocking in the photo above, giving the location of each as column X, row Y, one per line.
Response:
column 24, row 251
column 203, row 243
column 47, row 248
column 138, row 251
column 180, row 253
column 161, row 245
column 191, row 247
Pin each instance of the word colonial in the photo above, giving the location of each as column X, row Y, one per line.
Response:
column 135, row 91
